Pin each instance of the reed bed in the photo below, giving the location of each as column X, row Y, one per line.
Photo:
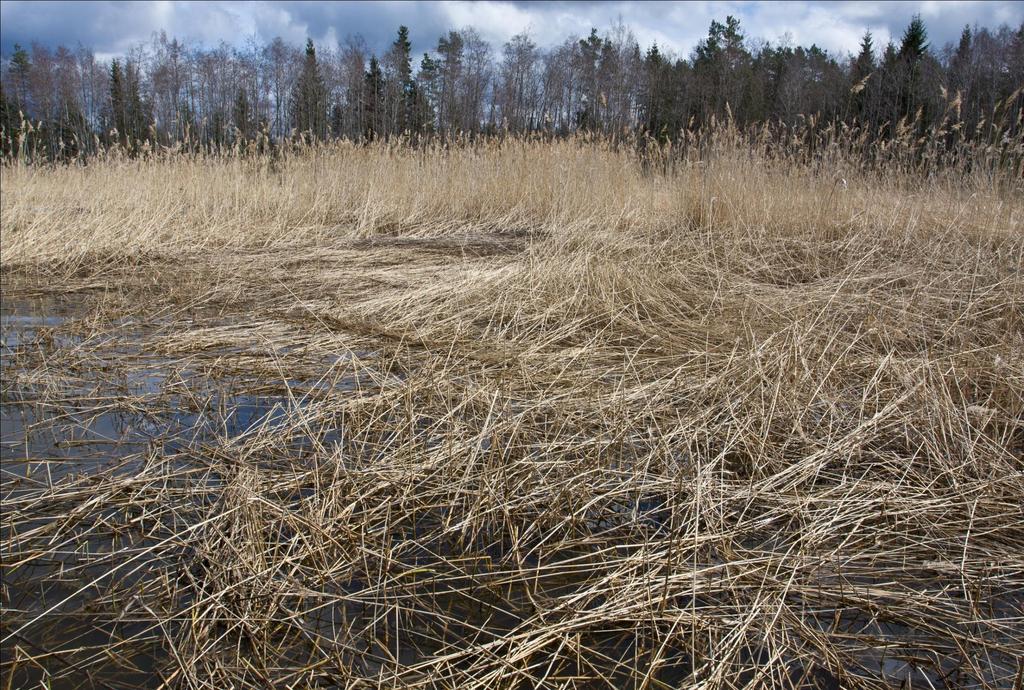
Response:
column 511, row 414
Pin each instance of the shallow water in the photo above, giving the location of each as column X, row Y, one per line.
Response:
column 115, row 408
column 106, row 416
column 89, row 412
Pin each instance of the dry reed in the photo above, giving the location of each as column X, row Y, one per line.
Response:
column 517, row 414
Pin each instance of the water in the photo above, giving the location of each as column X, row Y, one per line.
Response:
column 115, row 448
column 121, row 398
column 93, row 408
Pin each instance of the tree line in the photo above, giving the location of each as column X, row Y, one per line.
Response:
column 64, row 102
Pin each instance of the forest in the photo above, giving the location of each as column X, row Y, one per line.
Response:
column 63, row 102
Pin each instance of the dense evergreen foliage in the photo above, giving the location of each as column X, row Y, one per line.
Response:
column 61, row 102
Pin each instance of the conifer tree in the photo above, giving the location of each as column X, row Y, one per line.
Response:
column 860, row 75
column 721, row 65
column 426, row 94
column 656, row 104
column 450, row 48
column 118, row 101
column 405, row 107
column 915, row 40
column 218, row 128
column 309, row 98
column 864, row 63
column 963, row 48
column 913, row 49
column 587, row 116
column 21, row 68
column 138, row 115
column 374, row 105
column 337, row 121
column 960, row 63
column 10, row 125
column 242, row 115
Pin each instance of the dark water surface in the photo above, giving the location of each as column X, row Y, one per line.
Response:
column 107, row 409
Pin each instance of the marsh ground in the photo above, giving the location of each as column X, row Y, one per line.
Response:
column 521, row 418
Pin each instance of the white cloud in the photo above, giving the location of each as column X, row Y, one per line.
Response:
column 112, row 27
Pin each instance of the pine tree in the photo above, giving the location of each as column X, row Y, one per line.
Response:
column 722, row 65
column 733, row 40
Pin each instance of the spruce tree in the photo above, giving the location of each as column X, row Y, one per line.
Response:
column 963, row 49
column 138, row 115
column 860, row 73
column 426, row 94
column 218, row 128
column 242, row 115
column 864, row 63
column 10, row 125
column 337, row 121
column 374, row 103
column 915, row 40
column 449, row 70
column 309, row 97
column 118, row 101
column 890, row 85
column 402, row 56
column 913, row 48
column 959, row 64
column 21, row 69
column 653, row 115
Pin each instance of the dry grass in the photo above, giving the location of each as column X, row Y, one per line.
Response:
column 543, row 419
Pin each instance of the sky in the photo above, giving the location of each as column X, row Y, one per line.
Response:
column 111, row 28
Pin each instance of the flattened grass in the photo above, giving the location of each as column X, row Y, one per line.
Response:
column 543, row 419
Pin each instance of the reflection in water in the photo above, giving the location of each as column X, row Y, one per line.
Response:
column 108, row 419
